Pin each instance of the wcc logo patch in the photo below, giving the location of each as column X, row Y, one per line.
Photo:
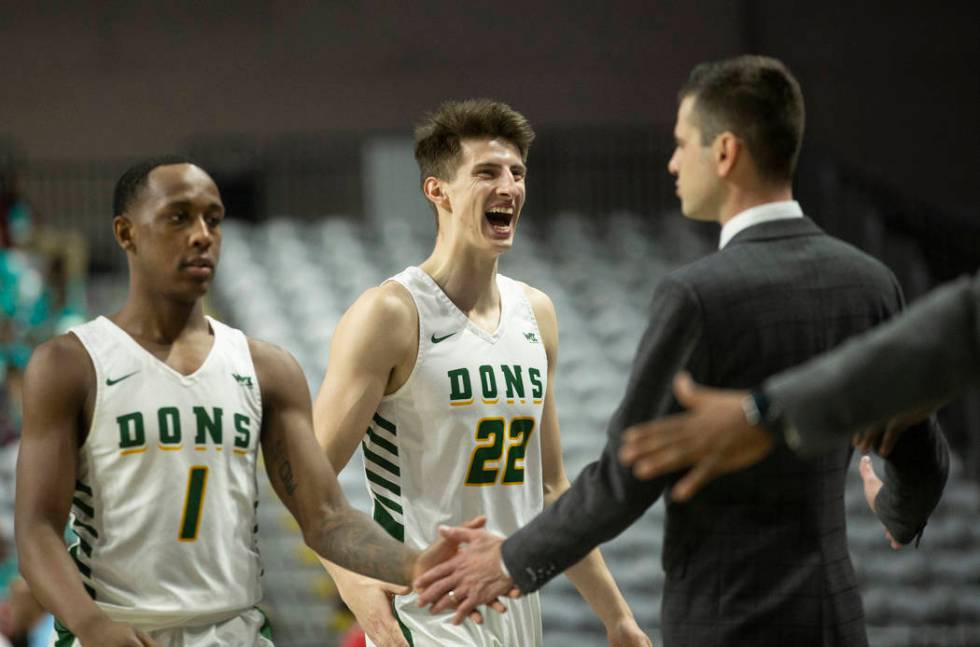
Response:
column 244, row 380
column 532, row 338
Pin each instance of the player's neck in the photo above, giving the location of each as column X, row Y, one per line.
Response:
column 469, row 280
column 159, row 319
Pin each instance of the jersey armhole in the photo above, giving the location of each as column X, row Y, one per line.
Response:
column 419, row 353
column 99, row 390
column 521, row 289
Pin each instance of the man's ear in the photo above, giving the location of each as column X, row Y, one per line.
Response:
column 727, row 149
column 435, row 193
column 123, row 230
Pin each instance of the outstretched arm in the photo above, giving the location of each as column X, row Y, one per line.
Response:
column 58, row 384
column 307, row 484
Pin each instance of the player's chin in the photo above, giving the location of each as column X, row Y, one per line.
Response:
column 499, row 238
column 192, row 289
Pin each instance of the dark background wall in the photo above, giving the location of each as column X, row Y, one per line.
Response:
column 892, row 88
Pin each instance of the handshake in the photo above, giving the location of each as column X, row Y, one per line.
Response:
column 463, row 570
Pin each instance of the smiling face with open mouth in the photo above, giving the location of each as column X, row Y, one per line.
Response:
column 487, row 193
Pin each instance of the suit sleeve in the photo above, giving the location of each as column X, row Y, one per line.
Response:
column 915, row 474
column 914, row 480
column 605, row 499
column 924, row 356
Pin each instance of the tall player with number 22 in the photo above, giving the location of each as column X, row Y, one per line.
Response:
column 146, row 426
column 444, row 375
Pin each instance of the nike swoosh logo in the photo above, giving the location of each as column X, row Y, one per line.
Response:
column 110, row 382
column 436, row 340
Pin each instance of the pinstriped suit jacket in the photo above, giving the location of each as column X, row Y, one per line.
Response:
column 758, row 557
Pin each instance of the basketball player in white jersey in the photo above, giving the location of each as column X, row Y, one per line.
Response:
column 146, row 426
column 448, row 367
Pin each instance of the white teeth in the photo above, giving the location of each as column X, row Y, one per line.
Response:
column 507, row 210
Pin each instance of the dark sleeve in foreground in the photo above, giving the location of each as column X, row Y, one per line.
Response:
column 605, row 499
column 914, row 479
column 923, row 356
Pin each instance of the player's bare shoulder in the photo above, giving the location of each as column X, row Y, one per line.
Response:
column 59, row 387
column 385, row 317
column 389, row 307
column 278, row 373
column 61, row 366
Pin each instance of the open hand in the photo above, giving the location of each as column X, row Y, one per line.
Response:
column 470, row 578
column 370, row 602
column 443, row 551
column 713, row 436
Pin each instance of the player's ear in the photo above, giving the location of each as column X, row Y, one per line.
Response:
column 726, row 148
column 122, row 228
column 435, row 192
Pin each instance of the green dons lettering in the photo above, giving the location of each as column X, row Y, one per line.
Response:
column 459, row 385
column 489, row 382
column 208, row 425
column 514, row 380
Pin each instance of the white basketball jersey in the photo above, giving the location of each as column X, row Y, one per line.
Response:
column 165, row 502
column 460, row 439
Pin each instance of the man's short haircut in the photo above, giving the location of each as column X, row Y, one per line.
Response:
column 134, row 179
column 437, row 139
column 758, row 100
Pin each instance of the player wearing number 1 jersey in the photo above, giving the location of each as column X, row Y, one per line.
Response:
column 443, row 375
column 146, row 426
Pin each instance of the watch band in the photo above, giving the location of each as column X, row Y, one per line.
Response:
column 760, row 411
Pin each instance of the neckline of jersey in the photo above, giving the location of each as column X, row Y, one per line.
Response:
column 191, row 377
column 486, row 335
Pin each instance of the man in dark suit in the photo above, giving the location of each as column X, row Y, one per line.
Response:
column 759, row 557
column 870, row 386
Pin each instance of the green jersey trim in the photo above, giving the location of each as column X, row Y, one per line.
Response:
column 384, row 518
column 401, row 625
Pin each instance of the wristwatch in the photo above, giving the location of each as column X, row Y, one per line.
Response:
column 761, row 411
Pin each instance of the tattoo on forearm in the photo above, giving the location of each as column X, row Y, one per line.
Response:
column 283, row 468
column 286, row 475
column 352, row 540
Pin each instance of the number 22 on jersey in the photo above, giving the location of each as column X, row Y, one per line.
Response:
column 496, row 439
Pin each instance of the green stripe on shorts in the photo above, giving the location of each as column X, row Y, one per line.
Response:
column 65, row 638
column 266, row 630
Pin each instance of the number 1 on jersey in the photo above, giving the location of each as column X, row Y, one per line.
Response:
column 190, row 522
column 490, row 436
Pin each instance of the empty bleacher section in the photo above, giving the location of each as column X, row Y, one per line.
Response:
column 289, row 280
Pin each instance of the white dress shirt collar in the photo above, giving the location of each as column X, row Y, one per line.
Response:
column 758, row 215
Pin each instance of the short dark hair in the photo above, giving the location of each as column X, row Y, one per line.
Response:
column 134, row 179
column 759, row 101
column 437, row 138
